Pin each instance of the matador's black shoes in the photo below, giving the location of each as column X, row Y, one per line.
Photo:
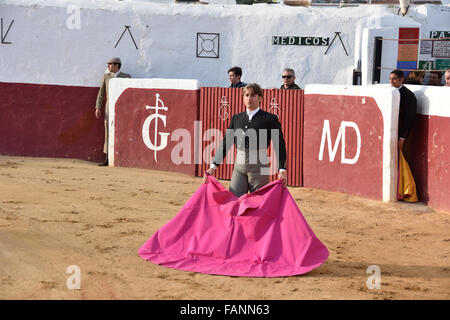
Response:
column 104, row 163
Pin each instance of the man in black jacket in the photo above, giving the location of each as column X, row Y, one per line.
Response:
column 408, row 106
column 235, row 74
column 251, row 131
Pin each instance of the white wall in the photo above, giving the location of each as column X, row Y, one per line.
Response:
column 44, row 49
column 432, row 101
column 441, row 22
column 389, row 52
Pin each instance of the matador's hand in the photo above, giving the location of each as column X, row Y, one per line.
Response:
column 282, row 176
column 205, row 176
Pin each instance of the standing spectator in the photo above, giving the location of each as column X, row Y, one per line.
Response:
column 235, row 74
column 114, row 65
column 435, row 78
column 288, row 76
column 415, row 77
column 447, row 77
column 408, row 106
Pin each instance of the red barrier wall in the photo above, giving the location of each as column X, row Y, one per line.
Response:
column 58, row 121
column 130, row 149
column 50, row 121
column 429, row 158
column 364, row 177
column 218, row 105
column 427, row 147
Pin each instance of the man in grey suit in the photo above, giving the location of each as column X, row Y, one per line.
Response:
column 114, row 65
column 251, row 131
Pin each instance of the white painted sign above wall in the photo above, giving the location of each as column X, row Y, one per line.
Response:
column 300, row 41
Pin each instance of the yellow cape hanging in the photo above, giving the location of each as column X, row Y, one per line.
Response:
column 406, row 185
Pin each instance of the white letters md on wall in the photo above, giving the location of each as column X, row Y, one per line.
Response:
column 326, row 135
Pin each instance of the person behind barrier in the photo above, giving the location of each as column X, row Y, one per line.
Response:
column 251, row 131
column 415, row 77
column 406, row 188
column 435, row 78
column 408, row 106
column 235, row 74
column 114, row 65
column 288, row 77
column 447, row 77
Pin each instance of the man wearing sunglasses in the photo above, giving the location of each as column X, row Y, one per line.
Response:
column 288, row 76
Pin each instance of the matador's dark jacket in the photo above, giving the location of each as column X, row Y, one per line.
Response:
column 243, row 134
column 407, row 112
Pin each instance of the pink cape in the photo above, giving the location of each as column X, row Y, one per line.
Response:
column 261, row 234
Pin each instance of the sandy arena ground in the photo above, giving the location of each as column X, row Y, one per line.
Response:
column 60, row 212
